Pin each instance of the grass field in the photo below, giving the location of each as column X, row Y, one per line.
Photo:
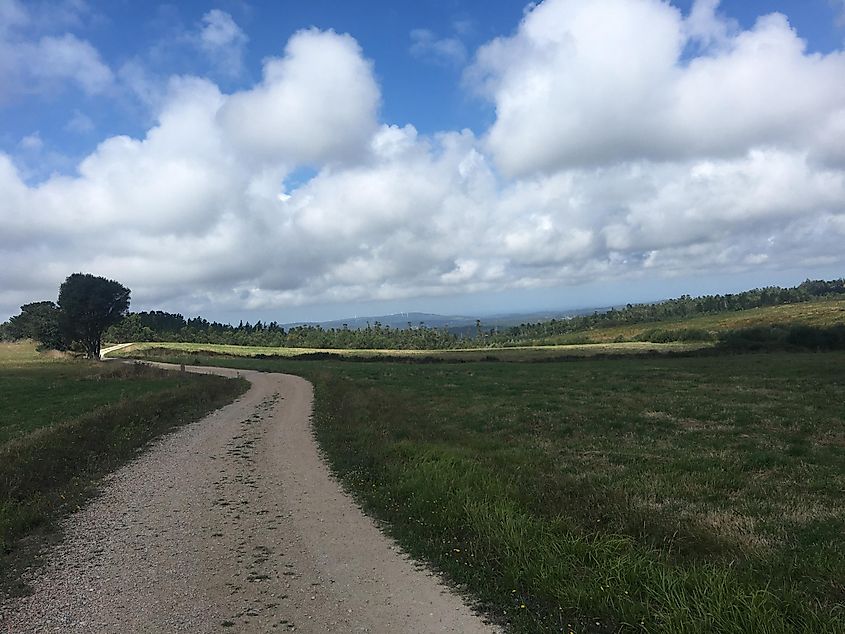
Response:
column 658, row 495
column 37, row 390
column 818, row 313
column 524, row 353
column 65, row 423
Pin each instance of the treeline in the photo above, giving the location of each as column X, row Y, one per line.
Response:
column 672, row 309
column 87, row 305
column 163, row 326
column 173, row 327
column 784, row 337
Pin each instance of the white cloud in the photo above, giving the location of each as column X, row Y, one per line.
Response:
column 31, row 142
column 706, row 26
column 592, row 81
column 31, row 64
column 198, row 217
column 447, row 50
column 141, row 82
column 47, row 15
column 318, row 103
column 223, row 41
column 68, row 57
column 839, row 5
column 80, row 123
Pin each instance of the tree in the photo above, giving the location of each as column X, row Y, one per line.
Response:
column 38, row 321
column 88, row 305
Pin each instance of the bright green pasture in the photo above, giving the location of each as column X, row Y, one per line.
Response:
column 42, row 389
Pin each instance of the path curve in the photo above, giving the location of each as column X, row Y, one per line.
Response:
column 114, row 348
column 233, row 524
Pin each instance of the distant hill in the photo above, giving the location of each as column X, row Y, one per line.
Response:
column 397, row 320
column 457, row 324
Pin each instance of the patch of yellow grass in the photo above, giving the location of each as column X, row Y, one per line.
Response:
column 521, row 353
column 818, row 313
column 737, row 527
column 23, row 353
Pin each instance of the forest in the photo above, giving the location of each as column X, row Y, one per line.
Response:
column 173, row 327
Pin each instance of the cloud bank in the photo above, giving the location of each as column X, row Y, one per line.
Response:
column 629, row 139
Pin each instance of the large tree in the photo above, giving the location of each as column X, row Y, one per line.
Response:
column 88, row 305
column 38, row 321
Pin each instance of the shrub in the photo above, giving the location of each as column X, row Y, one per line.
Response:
column 785, row 337
column 662, row 335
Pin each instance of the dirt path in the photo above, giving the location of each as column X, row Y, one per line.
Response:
column 233, row 524
column 114, row 348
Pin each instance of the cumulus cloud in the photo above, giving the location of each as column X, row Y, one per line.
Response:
column 32, row 64
column 318, row 103
column 214, row 46
column 195, row 183
column 604, row 162
column 704, row 24
column 137, row 78
column 584, row 82
column 68, row 57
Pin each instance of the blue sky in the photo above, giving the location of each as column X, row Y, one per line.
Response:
column 316, row 160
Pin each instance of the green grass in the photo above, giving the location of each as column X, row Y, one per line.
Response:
column 65, row 423
column 818, row 313
column 36, row 393
column 657, row 495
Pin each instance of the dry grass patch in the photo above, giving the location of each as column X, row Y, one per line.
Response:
column 822, row 313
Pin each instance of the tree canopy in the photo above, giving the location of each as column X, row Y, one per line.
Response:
column 38, row 321
column 87, row 306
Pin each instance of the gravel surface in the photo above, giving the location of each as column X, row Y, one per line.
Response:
column 233, row 524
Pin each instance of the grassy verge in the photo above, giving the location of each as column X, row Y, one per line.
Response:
column 655, row 495
column 65, row 424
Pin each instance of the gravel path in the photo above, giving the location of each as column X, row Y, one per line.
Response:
column 233, row 524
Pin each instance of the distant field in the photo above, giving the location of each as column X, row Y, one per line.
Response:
column 65, row 423
column 818, row 313
column 17, row 355
column 673, row 495
column 524, row 353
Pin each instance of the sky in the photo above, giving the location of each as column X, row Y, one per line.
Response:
column 317, row 160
